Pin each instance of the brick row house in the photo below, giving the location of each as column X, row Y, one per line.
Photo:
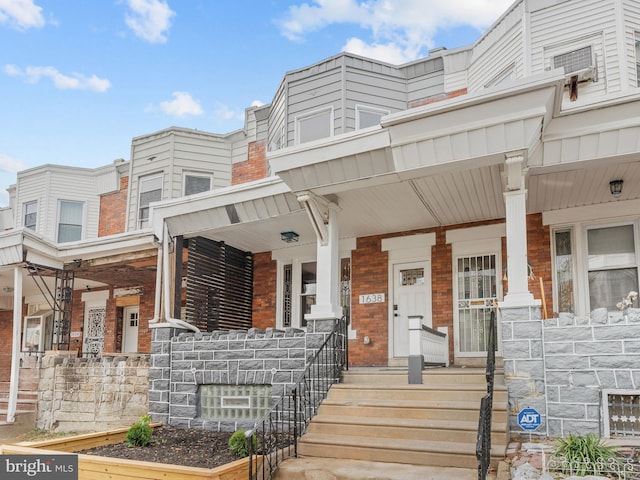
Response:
column 498, row 177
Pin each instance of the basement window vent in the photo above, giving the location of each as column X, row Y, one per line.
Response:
column 238, row 402
column 621, row 412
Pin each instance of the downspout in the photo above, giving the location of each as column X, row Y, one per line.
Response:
column 158, row 297
column 167, row 293
column 15, row 345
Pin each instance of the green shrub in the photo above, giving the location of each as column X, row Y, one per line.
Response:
column 586, row 455
column 139, row 435
column 239, row 445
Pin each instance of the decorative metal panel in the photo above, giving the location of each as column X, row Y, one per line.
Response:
column 219, row 286
column 94, row 334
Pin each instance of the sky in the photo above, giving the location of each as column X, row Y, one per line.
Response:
column 80, row 79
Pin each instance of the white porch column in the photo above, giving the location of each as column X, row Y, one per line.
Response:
column 516, row 225
column 15, row 344
column 327, row 304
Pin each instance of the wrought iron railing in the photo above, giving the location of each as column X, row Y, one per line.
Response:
column 483, row 444
column 274, row 437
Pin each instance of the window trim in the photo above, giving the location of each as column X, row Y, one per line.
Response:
column 192, row 173
column 299, row 119
column 83, row 220
column 370, row 109
column 141, row 180
column 24, row 214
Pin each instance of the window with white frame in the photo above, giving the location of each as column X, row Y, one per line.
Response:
column 368, row 116
column 314, row 126
column 612, row 264
column 595, row 266
column 196, row 183
column 30, row 214
column 150, row 191
column 70, row 221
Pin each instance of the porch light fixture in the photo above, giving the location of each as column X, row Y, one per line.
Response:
column 615, row 186
column 289, row 237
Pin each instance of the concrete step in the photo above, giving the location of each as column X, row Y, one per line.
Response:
column 334, row 469
column 409, row 451
column 432, row 376
column 432, row 430
column 444, row 392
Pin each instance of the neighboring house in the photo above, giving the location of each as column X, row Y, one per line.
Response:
column 505, row 172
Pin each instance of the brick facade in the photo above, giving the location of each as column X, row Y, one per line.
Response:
column 113, row 210
column 255, row 167
column 264, row 291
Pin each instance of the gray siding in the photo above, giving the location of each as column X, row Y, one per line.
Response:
column 172, row 153
column 632, row 26
column 277, row 120
column 564, row 27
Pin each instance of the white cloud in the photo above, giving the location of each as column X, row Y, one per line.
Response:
column 149, row 19
column 226, row 113
column 399, row 30
column 257, row 103
column 182, row 105
column 75, row 81
column 21, row 14
column 10, row 165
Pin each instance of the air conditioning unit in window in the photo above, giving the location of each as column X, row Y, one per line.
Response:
column 580, row 63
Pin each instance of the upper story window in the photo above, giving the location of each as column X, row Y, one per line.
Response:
column 30, row 214
column 70, row 221
column 314, row 126
column 368, row 116
column 196, row 183
column 150, row 191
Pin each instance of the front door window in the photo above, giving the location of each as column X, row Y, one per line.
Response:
column 411, row 291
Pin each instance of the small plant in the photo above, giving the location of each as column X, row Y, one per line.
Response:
column 586, row 455
column 139, row 435
column 239, row 445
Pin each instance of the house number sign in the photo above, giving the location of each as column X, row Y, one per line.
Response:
column 372, row 298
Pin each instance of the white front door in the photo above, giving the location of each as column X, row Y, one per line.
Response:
column 130, row 330
column 94, row 329
column 411, row 296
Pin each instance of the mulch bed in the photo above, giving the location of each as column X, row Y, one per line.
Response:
column 178, row 446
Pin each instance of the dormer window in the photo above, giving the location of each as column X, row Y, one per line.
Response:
column 196, row 183
column 314, row 126
column 30, row 212
column 368, row 116
column 70, row 221
column 150, row 191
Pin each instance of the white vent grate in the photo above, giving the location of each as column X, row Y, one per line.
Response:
column 574, row 61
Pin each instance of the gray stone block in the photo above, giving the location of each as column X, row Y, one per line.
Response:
column 296, row 342
column 584, row 379
column 580, row 427
column 593, row 412
column 566, row 410
column 599, row 316
column 579, row 395
column 635, row 376
column 569, row 334
column 632, row 346
column 159, row 407
column 251, row 364
column 616, row 361
column 530, row 368
column 292, row 364
column 623, row 379
column 595, row 348
column 527, row 330
column 566, row 319
column 263, row 344
column 516, row 349
column 282, row 377
column 558, row 348
column 297, row 353
column 182, row 347
column 553, row 393
column 555, row 428
column 271, row 354
column 507, row 331
column 563, row 362
column 519, row 314
column 181, row 411
column 606, row 378
column 558, row 377
column 216, row 365
column 633, row 315
column 234, row 355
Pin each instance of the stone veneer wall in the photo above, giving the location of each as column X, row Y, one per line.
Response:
column 81, row 394
column 559, row 366
column 182, row 361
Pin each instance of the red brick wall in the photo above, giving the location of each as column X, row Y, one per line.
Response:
column 254, row 168
column 113, row 210
column 442, row 286
column 539, row 256
column 369, row 274
column 438, row 98
column 264, row 290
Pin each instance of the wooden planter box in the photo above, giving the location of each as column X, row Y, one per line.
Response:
column 95, row 467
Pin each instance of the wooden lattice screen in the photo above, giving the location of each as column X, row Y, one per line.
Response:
column 219, row 286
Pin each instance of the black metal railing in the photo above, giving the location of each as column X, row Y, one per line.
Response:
column 274, row 437
column 483, row 444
